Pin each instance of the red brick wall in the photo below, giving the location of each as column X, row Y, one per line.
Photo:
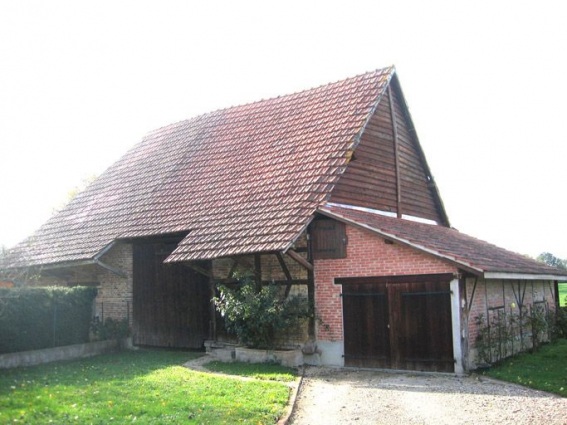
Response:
column 367, row 255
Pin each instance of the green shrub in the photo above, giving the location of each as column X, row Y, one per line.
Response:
column 561, row 323
column 110, row 329
column 257, row 318
column 34, row 318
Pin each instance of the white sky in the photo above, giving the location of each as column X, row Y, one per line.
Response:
column 82, row 82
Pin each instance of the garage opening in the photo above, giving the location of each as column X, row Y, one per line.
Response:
column 398, row 322
column 171, row 301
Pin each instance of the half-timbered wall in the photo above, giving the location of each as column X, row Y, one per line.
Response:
column 490, row 297
column 271, row 271
column 370, row 179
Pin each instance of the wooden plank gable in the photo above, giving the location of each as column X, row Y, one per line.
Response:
column 388, row 171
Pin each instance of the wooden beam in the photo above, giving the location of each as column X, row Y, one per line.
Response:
column 472, row 296
column 212, row 312
column 295, row 256
column 111, row 269
column 310, row 287
column 270, row 282
column 396, row 154
column 258, row 271
column 403, row 105
column 437, row 277
column 283, row 265
column 232, row 270
column 199, row 269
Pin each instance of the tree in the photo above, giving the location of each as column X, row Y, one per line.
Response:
column 85, row 182
column 551, row 260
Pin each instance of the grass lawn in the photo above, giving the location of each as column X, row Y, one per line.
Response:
column 563, row 294
column 270, row 372
column 545, row 370
column 134, row 387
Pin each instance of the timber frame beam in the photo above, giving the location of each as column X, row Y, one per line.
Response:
column 286, row 272
column 295, row 256
column 396, row 153
column 199, row 269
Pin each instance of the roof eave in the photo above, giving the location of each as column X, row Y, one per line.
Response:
column 523, row 276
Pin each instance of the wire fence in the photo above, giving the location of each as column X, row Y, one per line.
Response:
column 117, row 310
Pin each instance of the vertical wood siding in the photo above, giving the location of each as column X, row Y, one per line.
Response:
column 370, row 178
column 171, row 301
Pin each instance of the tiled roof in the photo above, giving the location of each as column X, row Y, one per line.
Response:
column 239, row 180
column 445, row 242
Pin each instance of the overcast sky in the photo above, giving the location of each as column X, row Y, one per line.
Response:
column 486, row 82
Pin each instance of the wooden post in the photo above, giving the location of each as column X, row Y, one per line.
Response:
column 396, row 154
column 232, row 270
column 258, row 271
column 213, row 312
column 310, row 288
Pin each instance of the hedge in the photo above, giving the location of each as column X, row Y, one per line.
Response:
column 34, row 318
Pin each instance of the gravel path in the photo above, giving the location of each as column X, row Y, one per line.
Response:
column 335, row 396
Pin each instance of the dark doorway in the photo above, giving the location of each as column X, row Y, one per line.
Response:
column 171, row 301
column 398, row 324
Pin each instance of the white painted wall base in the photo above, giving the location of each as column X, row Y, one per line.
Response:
column 68, row 352
column 456, row 319
column 331, row 353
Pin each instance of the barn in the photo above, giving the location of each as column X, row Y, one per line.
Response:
column 326, row 192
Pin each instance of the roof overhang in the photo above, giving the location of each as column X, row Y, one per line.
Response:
column 523, row 276
column 84, row 262
column 457, row 262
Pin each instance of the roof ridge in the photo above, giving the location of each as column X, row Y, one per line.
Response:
column 391, row 69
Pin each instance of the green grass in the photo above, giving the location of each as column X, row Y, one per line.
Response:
column 544, row 370
column 563, row 294
column 271, row 372
column 146, row 387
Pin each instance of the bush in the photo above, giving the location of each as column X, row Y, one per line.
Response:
column 110, row 329
column 34, row 318
column 257, row 318
column 561, row 323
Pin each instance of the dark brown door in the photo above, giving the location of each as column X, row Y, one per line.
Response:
column 399, row 325
column 367, row 343
column 171, row 301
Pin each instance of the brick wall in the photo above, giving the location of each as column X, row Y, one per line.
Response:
column 114, row 298
column 367, row 255
column 115, row 294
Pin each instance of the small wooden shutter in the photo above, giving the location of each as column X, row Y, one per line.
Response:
column 329, row 239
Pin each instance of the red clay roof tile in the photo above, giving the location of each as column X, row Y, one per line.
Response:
column 446, row 241
column 239, row 180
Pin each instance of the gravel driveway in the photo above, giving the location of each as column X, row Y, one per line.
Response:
column 337, row 396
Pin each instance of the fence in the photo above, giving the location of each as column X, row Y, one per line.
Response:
column 113, row 309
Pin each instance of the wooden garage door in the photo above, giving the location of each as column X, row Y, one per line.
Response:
column 171, row 301
column 399, row 323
